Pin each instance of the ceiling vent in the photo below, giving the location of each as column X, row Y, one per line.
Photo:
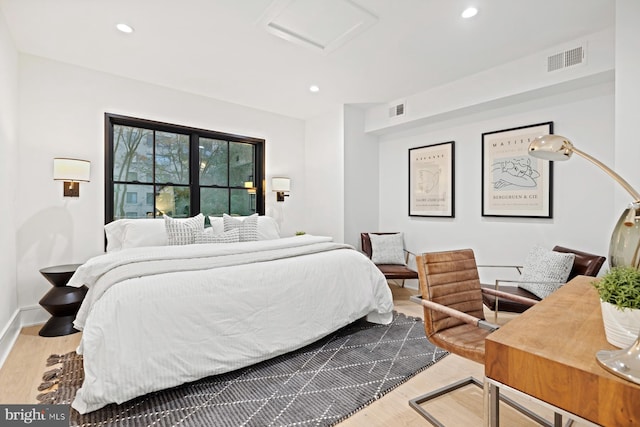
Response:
column 568, row 58
column 321, row 25
column 397, row 109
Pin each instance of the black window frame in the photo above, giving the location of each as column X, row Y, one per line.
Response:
column 194, row 178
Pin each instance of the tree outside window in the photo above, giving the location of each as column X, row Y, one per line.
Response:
column 179, row 171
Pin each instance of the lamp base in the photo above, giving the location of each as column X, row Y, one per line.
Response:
column 280, row 195
column 624, row 248
column 623, row 363
column 71, row 189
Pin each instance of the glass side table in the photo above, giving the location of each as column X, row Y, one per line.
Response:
column 62, row 301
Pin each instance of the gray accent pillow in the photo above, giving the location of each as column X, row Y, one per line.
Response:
column 545, row 271
column 248, row 226
column 182, row 231
column 387, row 248
column 207, row 236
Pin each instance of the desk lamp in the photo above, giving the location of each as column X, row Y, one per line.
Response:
column 624, row 247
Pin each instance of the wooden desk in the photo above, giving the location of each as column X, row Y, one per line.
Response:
column 548, row 352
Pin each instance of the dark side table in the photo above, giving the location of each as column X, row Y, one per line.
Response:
column 62, row 301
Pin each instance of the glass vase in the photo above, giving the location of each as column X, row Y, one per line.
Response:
column 624, row 248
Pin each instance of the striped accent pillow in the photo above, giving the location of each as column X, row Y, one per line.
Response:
column 207, row 236
column 182, row 231
column 248, row 226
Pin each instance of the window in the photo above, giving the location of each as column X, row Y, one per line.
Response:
column 179, row 171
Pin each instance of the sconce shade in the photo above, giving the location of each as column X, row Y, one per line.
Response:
column 71, row 170
column 280, row 184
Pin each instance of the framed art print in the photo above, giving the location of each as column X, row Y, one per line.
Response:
column 431, row 180
column 515, row 184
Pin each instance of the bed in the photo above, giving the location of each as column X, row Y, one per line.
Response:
column 159, row 316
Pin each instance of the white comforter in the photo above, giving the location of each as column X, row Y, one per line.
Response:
column 158, row 317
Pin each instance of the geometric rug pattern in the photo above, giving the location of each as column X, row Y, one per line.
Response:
column 318, row 385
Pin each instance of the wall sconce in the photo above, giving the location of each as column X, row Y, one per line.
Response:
column 281, row 186
column 251, row 189
column 71, row 171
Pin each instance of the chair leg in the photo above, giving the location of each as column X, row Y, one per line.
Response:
column 495, row 309
column 415, row 403
column 494, row 398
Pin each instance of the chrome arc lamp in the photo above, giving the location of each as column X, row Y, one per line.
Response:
column 72, row 172
column 624, row 247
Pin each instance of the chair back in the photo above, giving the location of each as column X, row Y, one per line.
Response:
column 449, row 278
column 585, row 264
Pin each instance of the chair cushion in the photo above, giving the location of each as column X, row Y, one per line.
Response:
column 394, row 271
column 545, row 271
column 507, row 304
column 387, row 248
column 464, row 340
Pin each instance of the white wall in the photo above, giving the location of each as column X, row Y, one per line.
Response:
column 324, row 172
column 583, row 215
column 8, row 174
column 360, row 177
column 61, row 113
column 627, row 95
column 524, row 79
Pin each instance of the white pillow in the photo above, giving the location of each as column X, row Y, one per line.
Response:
column 387, row 248
column 133, row 233
column 248, row 226
column 545, row 271
column 207, row 236
column 183, row 231
column 267, row 226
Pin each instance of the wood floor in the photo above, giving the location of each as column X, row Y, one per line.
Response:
column 22, row 373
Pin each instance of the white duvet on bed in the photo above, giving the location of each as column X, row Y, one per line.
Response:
column 147, row 327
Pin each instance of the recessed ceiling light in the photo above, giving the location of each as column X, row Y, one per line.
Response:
column 125, row 28
column 314, row 88
column 469, row 12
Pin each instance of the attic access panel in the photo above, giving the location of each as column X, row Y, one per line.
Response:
column 321, row 25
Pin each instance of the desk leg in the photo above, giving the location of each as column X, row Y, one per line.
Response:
column 491, row 404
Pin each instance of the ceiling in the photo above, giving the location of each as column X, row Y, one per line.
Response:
column 221, row 49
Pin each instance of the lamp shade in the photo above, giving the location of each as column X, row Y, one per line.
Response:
column 280, row 184
column 71, row 169
column 551, row 147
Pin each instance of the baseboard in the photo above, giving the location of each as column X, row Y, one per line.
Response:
column 33, row 315
column 412, row 284
column 26, row 316
column 9, row 336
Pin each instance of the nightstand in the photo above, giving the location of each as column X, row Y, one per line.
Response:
column 62, row 301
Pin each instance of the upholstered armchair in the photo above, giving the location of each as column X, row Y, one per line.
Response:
column 584, row 264
column 451, row 297
column 393, row 262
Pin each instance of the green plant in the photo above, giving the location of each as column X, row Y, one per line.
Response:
column 300, row 233
column 620, row 286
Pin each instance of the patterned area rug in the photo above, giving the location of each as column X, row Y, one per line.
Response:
column 320, row 384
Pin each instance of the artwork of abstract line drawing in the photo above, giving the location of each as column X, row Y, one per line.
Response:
column 511, row 172
column 428, row 179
